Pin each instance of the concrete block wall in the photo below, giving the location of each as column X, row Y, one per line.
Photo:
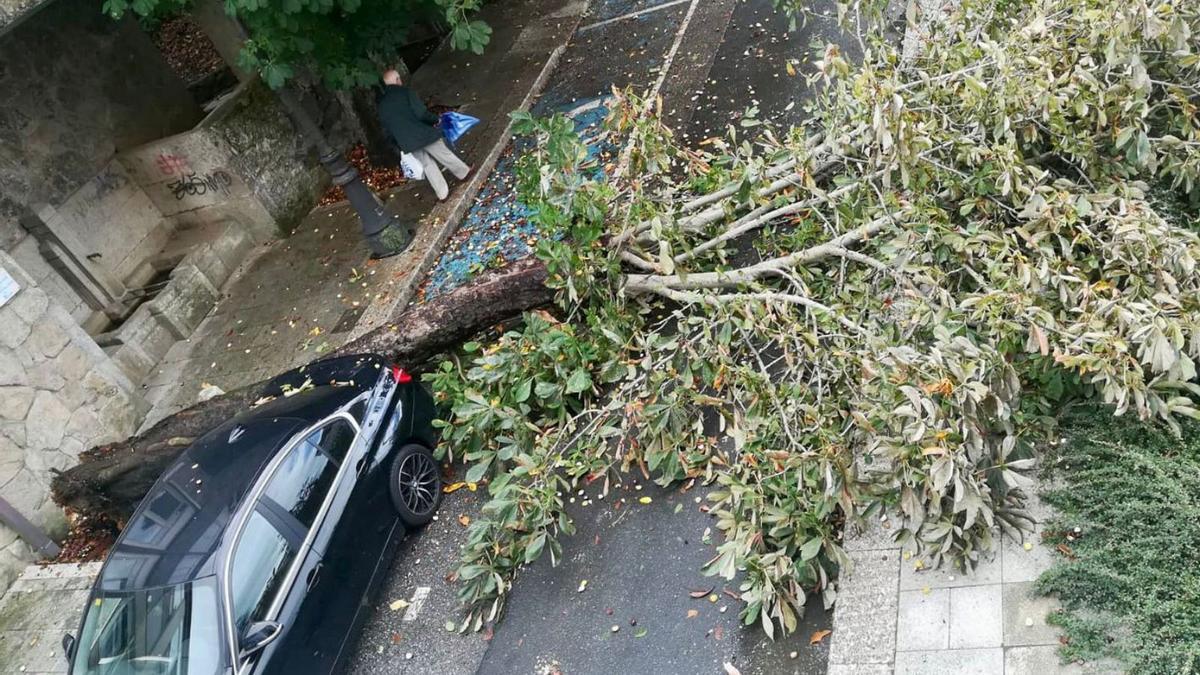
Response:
column 59, row 395
column 243, row 162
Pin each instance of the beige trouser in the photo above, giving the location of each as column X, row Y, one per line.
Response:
column 435, row 154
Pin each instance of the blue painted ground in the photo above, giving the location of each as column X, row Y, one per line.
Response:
column 497, row 228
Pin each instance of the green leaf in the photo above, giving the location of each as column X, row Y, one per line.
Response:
column 535, row 548
column 478, row 471
column 579, row 381
column 811, row 548
column 521, row 392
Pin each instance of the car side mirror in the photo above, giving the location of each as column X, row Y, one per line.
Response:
column 68, row 644
column 256, row 636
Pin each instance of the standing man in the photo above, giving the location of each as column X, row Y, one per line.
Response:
column 411, row 126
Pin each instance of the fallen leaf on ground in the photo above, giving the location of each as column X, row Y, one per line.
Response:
column 693, row 613
column 398, row 605
column 464, row 520
column 730, row 670
column 818, row 636
column 582, row 586
column 645, row 500
column 719, row 632
column 701, row 594
column 641, row 633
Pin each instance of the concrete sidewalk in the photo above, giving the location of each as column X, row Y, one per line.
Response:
column 528, row 39
column 895, row 615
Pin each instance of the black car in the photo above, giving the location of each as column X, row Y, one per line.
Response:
column 255, row 551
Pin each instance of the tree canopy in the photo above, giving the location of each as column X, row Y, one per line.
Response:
column 341, row 41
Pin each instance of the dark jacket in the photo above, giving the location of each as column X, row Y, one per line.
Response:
column 406, row 118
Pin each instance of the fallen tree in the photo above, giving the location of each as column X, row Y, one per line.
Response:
column 113, row 478
column 882, row 309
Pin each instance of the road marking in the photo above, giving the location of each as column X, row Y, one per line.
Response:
column 417, row 602
column 631, row 15
column 666, row 66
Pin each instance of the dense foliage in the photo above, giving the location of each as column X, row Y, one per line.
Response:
column 1128, row 496
column 878, row 310
column 344, row 42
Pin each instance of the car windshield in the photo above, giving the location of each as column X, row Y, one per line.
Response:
column 170, row 630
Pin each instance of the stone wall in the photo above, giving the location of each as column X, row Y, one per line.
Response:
column 75, row 88
column 244, row 162
column 267, row 150
column 59, row 394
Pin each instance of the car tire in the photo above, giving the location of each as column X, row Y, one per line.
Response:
column 415, row 482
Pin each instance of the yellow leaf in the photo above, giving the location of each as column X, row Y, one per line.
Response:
column 453, row 487
column 791, row 70
column 398, row 605
column 645, row 500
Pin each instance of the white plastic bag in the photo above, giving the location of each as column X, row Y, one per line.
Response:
column 413, row 169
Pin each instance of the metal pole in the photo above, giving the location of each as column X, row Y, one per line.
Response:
column 33, row 535
column 386, row 233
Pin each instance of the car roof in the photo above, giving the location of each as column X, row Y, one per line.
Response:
column 179, row 528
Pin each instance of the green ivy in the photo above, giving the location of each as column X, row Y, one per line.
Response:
column 1128, row 498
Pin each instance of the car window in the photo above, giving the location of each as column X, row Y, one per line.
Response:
column 170, row 629
column 260, row 564
column 304, row 478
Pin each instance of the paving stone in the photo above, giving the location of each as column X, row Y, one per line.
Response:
column 976, row 617
column 923, row 620
column 1023, row 606
column 874, row 536
column 1044, row 660
column 1022, row 565
column 864, row 618
column 859, row 669
column 988, row 571
column 951, row 662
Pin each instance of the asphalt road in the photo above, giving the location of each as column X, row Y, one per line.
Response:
column 640, row 561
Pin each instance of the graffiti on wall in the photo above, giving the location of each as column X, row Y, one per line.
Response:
column 194, row 185
column 187, row 182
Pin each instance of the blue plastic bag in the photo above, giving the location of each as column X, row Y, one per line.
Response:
column 455, row 125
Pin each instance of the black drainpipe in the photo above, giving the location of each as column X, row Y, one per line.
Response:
column 33, row 535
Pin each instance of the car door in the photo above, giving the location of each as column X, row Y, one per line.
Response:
column 360, row 523
column 292, row 508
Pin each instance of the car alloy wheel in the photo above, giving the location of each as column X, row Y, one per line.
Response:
column 417, row 483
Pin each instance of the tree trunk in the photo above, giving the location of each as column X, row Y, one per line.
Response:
column 112, row 479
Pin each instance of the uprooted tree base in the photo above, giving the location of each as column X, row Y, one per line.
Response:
column 113, row 478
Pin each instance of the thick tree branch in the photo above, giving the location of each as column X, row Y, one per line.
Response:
column 646, row 283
